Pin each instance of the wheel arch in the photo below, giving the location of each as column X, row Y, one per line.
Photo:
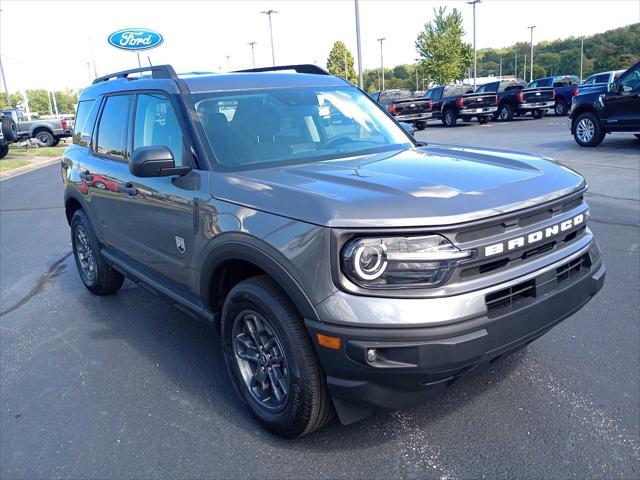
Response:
column 248, row 256
column 41, row 128
column 71, row 205
column 585, row 108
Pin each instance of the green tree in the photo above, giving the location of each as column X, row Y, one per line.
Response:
column 340, row 62
column 66, row 100
column 38, row 101
column 444, row 56
column 14, row 97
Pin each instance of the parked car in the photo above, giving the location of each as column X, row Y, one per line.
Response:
column 601, row 110
column 565, row 88
column 346, row 267
column 515, row 98
column 601, row 79
column 404, row 107
column 48, row 132
column 455, row 102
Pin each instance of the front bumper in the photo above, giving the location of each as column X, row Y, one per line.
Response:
column 537, row 105
column 416, row 117
column 414, row 363
column 479, row 111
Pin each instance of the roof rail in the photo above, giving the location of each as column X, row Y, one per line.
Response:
column 302, row 68
column 157, row 71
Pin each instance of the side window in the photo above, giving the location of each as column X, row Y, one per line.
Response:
column 437, row 94
column 156, row 123
column 590, row 81
column 533, row 85
column 85, row 119
column 631, row 81
column 604, row 78
column 112, row 130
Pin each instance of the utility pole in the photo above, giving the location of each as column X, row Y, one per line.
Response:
column 524, row 70
column 273, row 55
column 500, row 68
column 4, row 82
column 581, row 55
column 49, row 102
column 475, row 58
column 253, row 56
column 515, row 69
column 55, row 104
column 382, row 39
column 93, row 58
column 417, row 63
column 360, row 74
column 531, row 59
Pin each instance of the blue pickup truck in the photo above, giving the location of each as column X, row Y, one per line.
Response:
column 565, row 87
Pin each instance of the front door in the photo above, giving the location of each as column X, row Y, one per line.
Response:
column 157, row 221
column 622, row 109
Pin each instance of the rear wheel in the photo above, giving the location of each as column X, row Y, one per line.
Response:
column 55, row 143
column 587, row 131
column 449, row 118
column 95, row 273
column 560, row 108
column 271, row 360
column 538, row 114
column 4, row 150
column 505, row 112
column 420, row 125
column 483, row 120
column 45, row 138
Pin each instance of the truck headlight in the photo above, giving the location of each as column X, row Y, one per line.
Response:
column 400, row 262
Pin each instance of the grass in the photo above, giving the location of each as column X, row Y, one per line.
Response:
column 50, row 152
column 6, row 165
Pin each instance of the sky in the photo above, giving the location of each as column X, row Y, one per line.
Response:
column 48, row 43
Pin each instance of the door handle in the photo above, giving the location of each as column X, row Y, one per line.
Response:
column 129, row 189
column 86, row 176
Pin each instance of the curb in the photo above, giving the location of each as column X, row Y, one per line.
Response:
column 28, row 168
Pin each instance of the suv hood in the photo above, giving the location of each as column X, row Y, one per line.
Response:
column 418, row 187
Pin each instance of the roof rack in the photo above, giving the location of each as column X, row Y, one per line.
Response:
column 302, row 68
column 157, row 71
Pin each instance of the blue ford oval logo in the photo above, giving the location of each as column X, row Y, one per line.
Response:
column 135, row 39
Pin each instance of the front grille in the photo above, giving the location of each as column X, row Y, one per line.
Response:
column 519, row 295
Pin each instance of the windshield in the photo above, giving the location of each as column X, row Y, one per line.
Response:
column 294, row 125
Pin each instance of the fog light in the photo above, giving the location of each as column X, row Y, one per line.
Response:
column 372, row 355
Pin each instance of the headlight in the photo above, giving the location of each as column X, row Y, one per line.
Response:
column 400, row 262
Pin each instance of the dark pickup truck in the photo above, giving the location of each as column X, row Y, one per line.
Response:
column 515, row 98
column 458, row 101
column 404, row 107
column 565, row 88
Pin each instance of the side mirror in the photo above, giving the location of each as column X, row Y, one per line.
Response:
column 155, row 161
column 407, row 128
column 612, row 87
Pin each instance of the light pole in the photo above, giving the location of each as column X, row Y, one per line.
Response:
column 381, row 62
column 475, row 64
column 515, row 68
column 360, row 75
column 253, row 56
column 531, row 59
column 500, row 68
column 273, row 55
column 581, row 55
column 417, row 63
column 4, row 82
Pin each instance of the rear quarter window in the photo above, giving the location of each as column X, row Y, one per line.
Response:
column 85, row 119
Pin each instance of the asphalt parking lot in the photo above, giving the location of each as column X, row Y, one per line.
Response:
column 126, row 386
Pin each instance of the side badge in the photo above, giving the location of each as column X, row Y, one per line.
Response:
column 180, row 244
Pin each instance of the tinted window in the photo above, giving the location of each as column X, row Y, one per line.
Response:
column 391, row 96
column 631, row 80
column 604, row 78
column 156, row 124
column 488, row 88
column 85, row 119
column 112, row 131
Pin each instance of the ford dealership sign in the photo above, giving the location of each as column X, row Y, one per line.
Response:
column 135, row 39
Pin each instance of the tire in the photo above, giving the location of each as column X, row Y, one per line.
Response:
column 56, row 142
column 587, row 131
column 449, row 118
column 537, row 114
column 560, row 108
column 505, row 113
column 4, row 150
column 45, row 138
column 420, row 125
column 258, row 304
column 483, row 120
column 9, row 129
column 95, row 273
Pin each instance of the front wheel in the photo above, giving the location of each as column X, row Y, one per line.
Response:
column 537, row 114
column 271, row 360
column 587, row 131
column 420, row 125
column 483, row 120
column 4, row 150
column 449, row 119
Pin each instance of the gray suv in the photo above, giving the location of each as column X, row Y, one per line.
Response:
column 346, row 266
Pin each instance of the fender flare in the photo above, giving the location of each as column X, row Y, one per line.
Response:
column 73, row 195
column 239, row 246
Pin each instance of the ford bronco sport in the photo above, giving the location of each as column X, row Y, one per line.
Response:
column 346, row 266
